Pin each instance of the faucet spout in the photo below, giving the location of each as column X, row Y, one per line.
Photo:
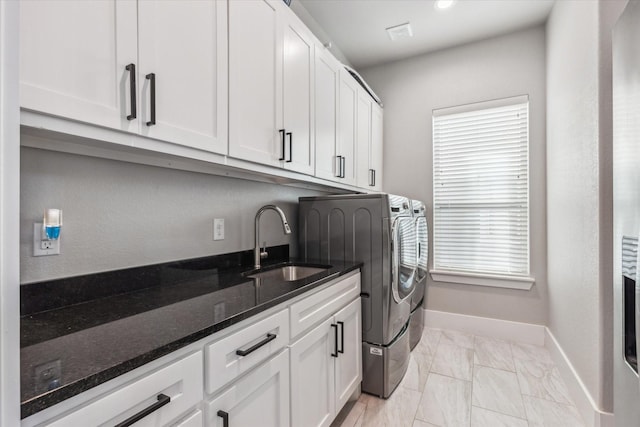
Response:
column 285, row 225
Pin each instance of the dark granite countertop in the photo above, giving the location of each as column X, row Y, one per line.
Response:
column 93, row 328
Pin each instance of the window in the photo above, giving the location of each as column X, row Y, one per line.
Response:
column 481, row 189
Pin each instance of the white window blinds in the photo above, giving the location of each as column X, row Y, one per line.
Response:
column 481, row 187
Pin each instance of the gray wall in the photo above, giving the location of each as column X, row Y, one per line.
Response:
column 496, row 68
column 119, row 214
column 579, row 176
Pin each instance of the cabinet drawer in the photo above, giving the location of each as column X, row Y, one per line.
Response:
column 258, row 341
column 195, row 420
column 319, row 306
column 181, row 382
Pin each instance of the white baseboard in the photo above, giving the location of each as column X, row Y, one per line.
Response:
column 587, row 407
column 529, row 334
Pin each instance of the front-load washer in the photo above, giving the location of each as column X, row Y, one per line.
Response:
column 416, row 324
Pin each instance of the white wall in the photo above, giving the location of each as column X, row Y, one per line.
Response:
column 626, row 198
column 119, row 215
column 9, row 216
column 410, row 89
column 579, row 177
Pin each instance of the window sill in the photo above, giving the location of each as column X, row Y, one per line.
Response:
column 495, row 281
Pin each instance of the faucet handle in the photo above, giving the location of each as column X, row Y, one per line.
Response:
column 263, row 252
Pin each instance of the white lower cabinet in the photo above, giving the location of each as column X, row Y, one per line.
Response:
column 180, row 383
column 326, row 367
column 313, row 377
column 259, row 399
column 295, row 364
column 349, row 361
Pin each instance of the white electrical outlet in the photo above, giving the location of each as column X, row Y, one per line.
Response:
column 218, row 229
column 42, row 247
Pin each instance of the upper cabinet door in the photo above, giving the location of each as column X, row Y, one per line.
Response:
column 363, row 138
column 183, row 43
column 297, row 103
column 327, row 79
column 255, row 70
column 73, row 56
column 375, row 151
column 347, row 127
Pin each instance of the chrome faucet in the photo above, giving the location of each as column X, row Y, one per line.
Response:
column 257, row 253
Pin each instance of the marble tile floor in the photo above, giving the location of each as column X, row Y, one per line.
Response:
column 460, row 380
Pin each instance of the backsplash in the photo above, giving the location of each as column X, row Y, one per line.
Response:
column 120, row 215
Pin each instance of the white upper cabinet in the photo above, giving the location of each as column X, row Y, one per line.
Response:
column 369, row 146
column 99, row 62
column 375, row 151
column 254, row 69
column 297, row 83
column 73, row 60
column 183, row 72
column 239, row 78
column 270, row 86
column 327, row 81
column 347, row 127
column 363, row 138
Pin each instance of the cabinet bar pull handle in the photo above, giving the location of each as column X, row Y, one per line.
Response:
column 152, row 84
column 163, row 399
column 269, row 338
column 282, row 139
column 344, row 167
column 341, row 337
column 339, row 168
column 225, row 418
column 335, row 330
column 290, row 147
column 131, row 68
column 374, row 177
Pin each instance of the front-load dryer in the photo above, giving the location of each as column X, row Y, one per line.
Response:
column 379, row 231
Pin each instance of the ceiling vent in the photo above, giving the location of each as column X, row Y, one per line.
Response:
column 402, row 31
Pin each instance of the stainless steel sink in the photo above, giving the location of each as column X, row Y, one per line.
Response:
column 288, row 273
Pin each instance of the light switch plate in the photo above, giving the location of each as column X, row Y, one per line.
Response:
column 218, row 229
column 43, row 247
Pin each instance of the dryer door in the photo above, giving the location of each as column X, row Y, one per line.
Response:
column 404, row 248
column 423, row 248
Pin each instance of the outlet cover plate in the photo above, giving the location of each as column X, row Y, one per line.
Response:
column 43, row 247
column 218, row 229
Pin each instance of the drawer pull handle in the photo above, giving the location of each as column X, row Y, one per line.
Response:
column 335, row 330
column 269, row 338
column 225, row 418
column 131, row 68
column 152, row 97
column 341, row 337
column 290, row 135
column 339, row 167
column 282, row 131
column 163, row 399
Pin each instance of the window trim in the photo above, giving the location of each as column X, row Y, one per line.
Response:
column 489, row 280
column 515, row 281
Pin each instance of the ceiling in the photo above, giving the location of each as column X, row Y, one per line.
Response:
column 357, row 27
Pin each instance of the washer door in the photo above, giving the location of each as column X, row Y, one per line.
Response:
column 404, row 248
column 423, row 248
